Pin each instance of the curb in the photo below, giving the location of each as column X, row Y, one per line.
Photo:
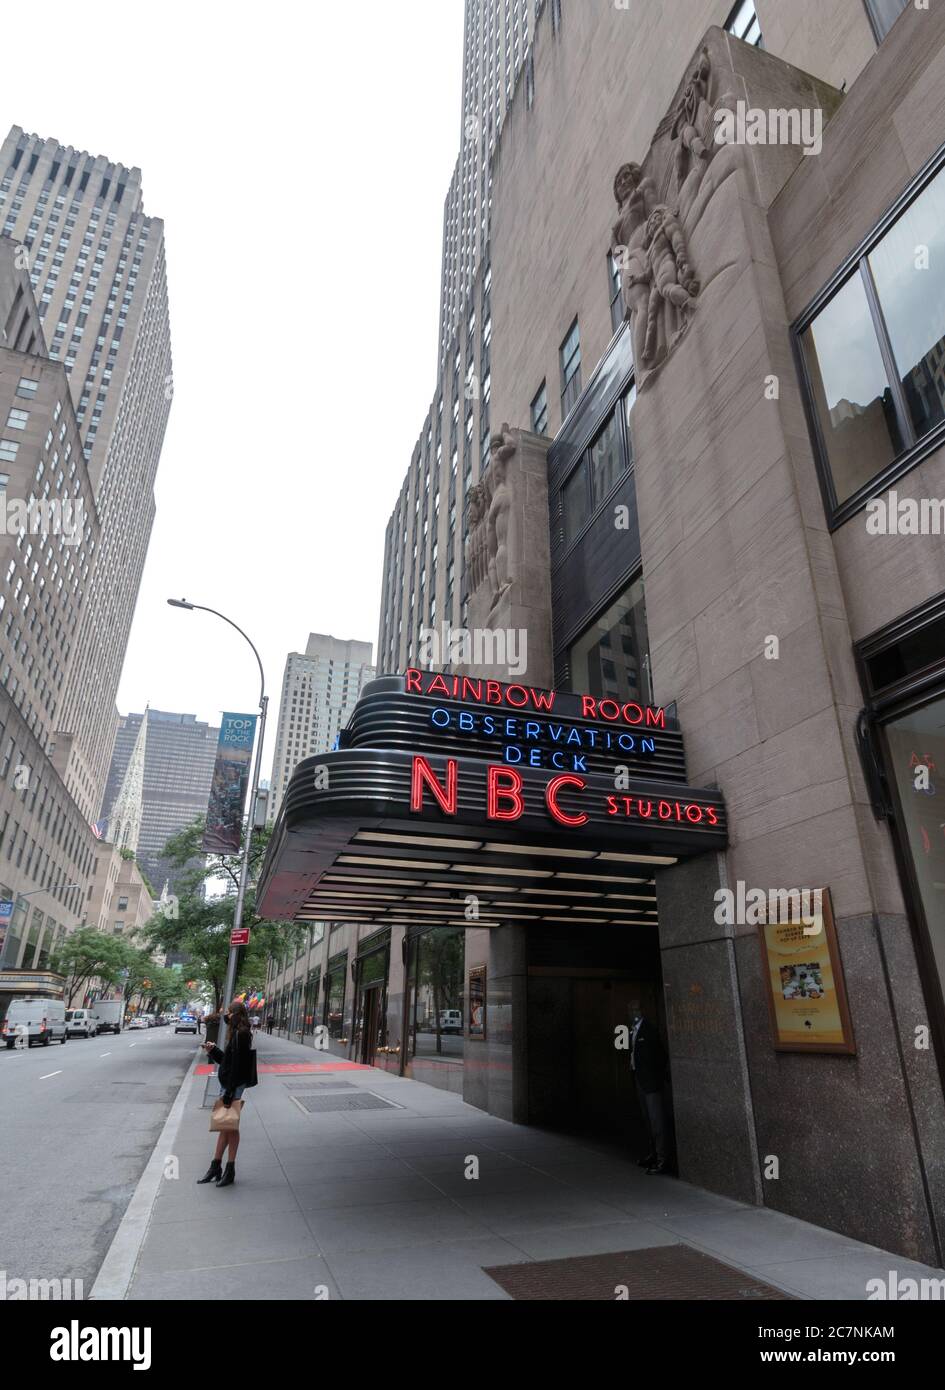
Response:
column 114, row 1278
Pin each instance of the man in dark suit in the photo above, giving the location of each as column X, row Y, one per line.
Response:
column 648, row 1064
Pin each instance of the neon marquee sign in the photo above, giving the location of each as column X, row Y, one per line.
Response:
column 470, row 690
column 539, row 742
column 506, row 798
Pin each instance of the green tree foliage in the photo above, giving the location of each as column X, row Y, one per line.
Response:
column 86, row 955
column 205, row 910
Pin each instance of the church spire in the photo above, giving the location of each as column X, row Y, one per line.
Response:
column 124, row 823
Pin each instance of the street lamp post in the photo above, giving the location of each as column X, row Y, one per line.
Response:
column 244, row 864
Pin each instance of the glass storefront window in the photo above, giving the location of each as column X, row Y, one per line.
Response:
column 311, row 1002
column 611, row 659
column 852, row 396
column 916, row 744
column 335, row 996
column 435, row 968
column 908, row 267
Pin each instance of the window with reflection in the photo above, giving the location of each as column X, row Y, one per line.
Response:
column 891, row 310
column 908, row 268
column 435, row 967
column 598, row 470
column 852, row 396
column 611, row 658
column 916, row 744
column 606, row 462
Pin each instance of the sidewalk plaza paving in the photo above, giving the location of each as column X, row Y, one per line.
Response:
column 373, row 1203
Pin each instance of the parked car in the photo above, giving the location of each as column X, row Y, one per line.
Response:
column 185, row 1024
column 109, row 1015
column 36, row 1020
column 80, row 1023
column 138, row 1023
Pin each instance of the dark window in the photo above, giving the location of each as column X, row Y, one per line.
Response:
column 570, row 354
column 875, row 355
column 540, row 411
column 575, row 503
column 883, row 15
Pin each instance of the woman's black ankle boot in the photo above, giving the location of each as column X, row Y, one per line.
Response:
column 229, row 1176
column 213, row 1172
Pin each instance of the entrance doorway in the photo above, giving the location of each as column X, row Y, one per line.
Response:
column 372, row 1021
column 580, row 990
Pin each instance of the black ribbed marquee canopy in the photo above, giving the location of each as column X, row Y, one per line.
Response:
column 474, row 801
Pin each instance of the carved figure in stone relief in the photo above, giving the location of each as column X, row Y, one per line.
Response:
column 690, row 119
column 636, row 197
column 476, row 555
column 502, row 447
column 670, row 275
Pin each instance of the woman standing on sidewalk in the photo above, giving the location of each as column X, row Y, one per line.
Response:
column 234, row 1074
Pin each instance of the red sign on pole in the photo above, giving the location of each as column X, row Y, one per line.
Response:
column 239, row 936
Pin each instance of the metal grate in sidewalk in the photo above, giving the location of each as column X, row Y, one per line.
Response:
column 363, row 1100
column 664, row 1272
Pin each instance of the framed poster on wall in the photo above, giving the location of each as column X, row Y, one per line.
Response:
column 476, row 1022
column 807, row 997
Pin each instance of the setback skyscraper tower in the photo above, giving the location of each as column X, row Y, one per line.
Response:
column 320, row 688
column 158, row 783
column 496, row 45
column 96, row 263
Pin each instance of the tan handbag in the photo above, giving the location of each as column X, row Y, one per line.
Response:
column 224, row 1119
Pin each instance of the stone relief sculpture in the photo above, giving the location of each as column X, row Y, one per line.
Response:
column 477, row 566
column 488, row 558
column 502, row 448
column 691, row 117
column 658, row 209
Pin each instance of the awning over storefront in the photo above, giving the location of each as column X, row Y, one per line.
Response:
column 480, row 802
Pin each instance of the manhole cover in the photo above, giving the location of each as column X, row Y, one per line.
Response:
column 666, row 1272
column 363, row 1100
column 319, row 1086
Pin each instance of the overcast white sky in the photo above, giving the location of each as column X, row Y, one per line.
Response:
column 299, row 156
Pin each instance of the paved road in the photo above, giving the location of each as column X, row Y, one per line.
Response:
column 78, row 1125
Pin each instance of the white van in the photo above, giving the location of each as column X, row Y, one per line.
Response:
column 109, row 1015
column 81, row 1023
column 34, row 1020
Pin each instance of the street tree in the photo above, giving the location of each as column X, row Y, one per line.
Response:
column 206, row 902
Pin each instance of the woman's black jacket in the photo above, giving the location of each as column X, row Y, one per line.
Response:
column 234, row 1061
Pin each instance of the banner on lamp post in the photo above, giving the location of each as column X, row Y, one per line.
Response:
column 229, row 784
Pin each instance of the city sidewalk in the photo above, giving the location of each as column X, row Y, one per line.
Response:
column 374, row 1203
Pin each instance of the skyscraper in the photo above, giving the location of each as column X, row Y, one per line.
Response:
column 96, row 263
column 496, row 46
column 320, row 688
column 425, row 581
column 49, row 535
column 166, row 761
